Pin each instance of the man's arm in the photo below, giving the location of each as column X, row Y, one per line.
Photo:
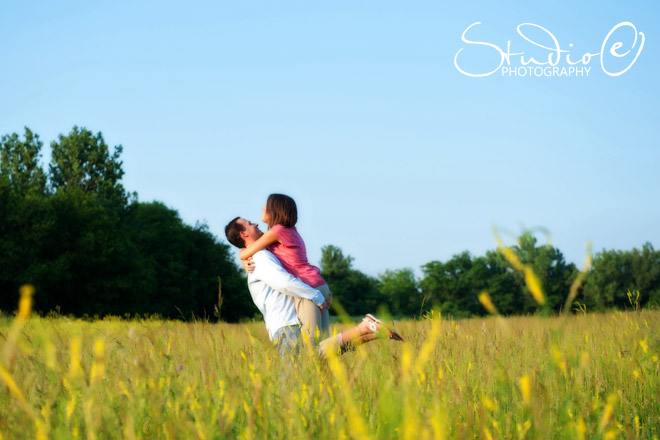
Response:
column 269, row 270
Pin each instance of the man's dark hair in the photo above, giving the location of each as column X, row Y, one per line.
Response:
column 233, row 232
column 281, row 210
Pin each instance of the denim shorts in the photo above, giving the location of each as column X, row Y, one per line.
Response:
column 287, row 340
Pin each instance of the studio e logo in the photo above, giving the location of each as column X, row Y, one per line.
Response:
column 615, row 59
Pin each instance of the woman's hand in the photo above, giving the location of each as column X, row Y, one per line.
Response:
column 248, row 265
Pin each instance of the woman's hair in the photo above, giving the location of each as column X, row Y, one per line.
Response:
column 281, row 210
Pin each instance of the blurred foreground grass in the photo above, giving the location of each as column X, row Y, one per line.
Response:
column 582, row 376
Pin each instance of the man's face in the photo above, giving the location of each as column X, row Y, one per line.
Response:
column 251, row 232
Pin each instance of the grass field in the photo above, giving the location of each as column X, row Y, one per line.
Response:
column 583, row 376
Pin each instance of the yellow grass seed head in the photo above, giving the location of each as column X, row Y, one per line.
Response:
column 534, row 285
column 560, row 361
column 124, row 390
column 25, row 303
column 523, row 428
column 355, row 421
column 607, row 413
column 252, row 341
column 584, row 359
column 526, row 389
column 406, row 360
column 98, row 367
column 581, row 428
column 410, row 427
column 512, row 258
column 74, row 364
column 588, row 258
column 42, row 430
column 70, row 407
column 221, row 385
column 51, row 355
column 439, row 424
column 430, row 344
column 14, row 390
column 507, row 252
column 98, row 349
column 200, row 430
column 488, row 403
column 485, row 300
column 129, row 427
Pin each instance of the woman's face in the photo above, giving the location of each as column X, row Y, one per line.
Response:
column 264, row 216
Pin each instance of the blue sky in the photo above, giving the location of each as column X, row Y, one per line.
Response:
column 358, row 112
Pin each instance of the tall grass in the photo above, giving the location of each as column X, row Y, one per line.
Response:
column 579, row 376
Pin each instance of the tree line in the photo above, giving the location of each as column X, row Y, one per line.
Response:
column 453, row 287
column 92, row 248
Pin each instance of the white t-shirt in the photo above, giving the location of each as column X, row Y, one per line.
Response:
column 273, row 289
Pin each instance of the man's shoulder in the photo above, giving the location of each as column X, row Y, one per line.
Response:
column 266, row 256
column 263, row 253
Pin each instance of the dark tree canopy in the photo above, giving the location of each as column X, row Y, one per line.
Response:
column 615, row 273
column 355, row 291
column 88, row 250
column 19, row 162
column 83, row 160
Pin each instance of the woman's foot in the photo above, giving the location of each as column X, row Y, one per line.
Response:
column 372, row 325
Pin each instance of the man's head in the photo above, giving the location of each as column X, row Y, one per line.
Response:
column 242, row 233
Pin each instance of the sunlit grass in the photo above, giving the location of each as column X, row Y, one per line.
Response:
column 579, row 376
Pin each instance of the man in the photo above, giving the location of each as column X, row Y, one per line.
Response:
column 272, row 289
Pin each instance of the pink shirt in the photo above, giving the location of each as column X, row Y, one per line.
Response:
column 293, row 256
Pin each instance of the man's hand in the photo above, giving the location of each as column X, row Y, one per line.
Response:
column 328, row 300
column 325, row 305
column 248, row 265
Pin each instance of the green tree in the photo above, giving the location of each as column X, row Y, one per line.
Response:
column 87, row 262
column 334, row 264
column 356, row 292
column 19, row 162
column 401, row 292
column 452, row 286
column 208, row 259
column 615, row 272
column 25, row 219
column 645, row 267
column 501, row 284
column 83, row 160
column 551, row 268
column 89, row 252
column 183, row 265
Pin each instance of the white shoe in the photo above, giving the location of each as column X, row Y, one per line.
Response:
column 375, row 325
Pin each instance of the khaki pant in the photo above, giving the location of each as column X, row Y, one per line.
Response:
column 315, row 323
